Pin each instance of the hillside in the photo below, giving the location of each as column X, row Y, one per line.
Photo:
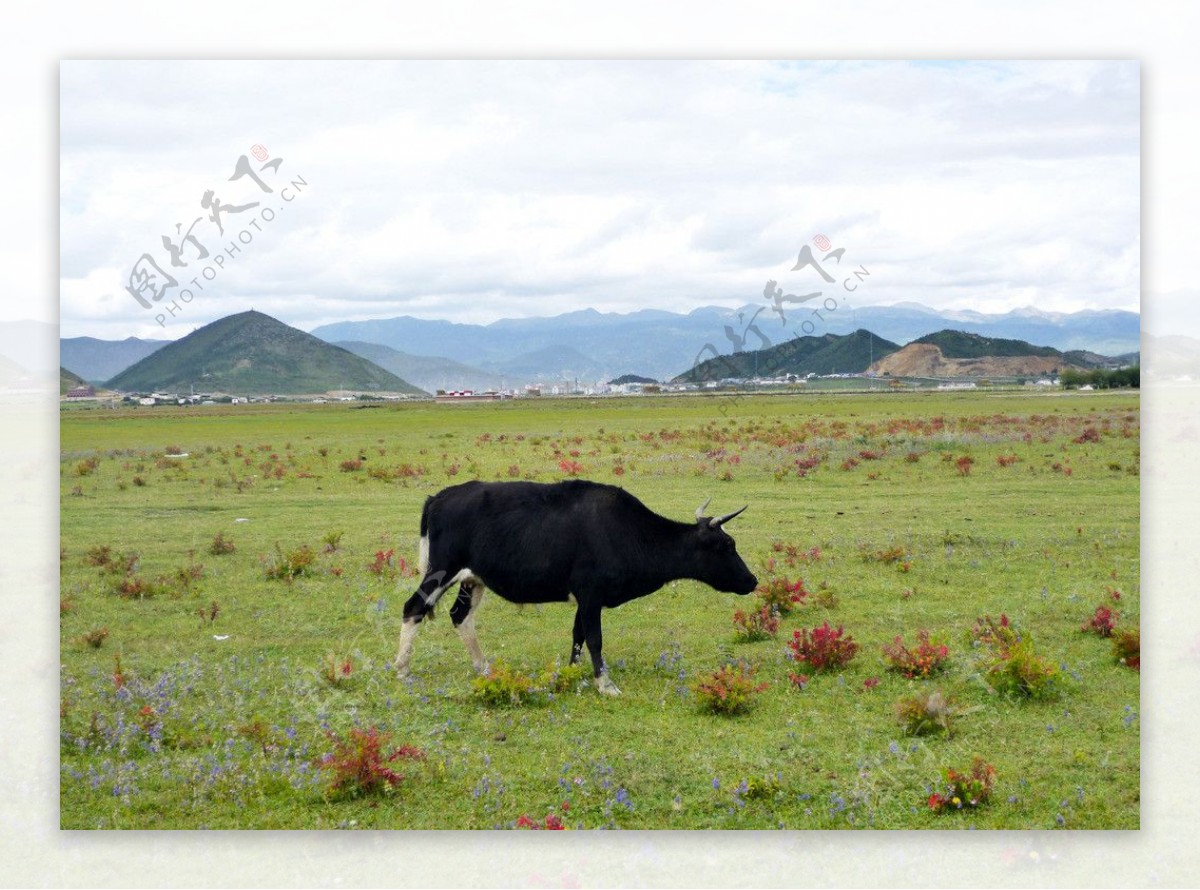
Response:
column 927, row 360
column 964, row 345
column 1084, row 358
column 963, row 354
column 430, row 373
column 99, row 360
column 251, row 353
column 827, row 354
column 68, row 380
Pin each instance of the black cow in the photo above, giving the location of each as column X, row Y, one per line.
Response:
column 595, row 545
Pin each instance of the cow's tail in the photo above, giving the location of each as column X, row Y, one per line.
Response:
column 423, row 551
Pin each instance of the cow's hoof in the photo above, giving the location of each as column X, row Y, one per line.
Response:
column 606, row 686
column 483, row 668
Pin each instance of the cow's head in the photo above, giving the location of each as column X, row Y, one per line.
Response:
column 717, row 562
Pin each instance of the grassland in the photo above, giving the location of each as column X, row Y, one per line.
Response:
column 215, row 689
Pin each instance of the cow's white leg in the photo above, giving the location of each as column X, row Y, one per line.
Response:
column 605, row 685
column 418, row 606
column 587, row 624
column 408, row 633
column 466, row 627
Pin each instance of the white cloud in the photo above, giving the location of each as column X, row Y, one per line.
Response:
column 478, row 190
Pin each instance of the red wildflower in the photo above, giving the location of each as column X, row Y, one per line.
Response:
column 823, row 647
column 1101, row 623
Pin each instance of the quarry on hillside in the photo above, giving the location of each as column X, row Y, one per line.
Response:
column 927, row 360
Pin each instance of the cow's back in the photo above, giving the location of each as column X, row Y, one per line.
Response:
column 524, row 540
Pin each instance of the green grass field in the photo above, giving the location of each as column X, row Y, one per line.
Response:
column 198, row 692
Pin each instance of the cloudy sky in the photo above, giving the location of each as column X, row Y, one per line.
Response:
column 480, row 190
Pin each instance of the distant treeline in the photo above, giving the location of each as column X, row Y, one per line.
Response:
column 1101, row 379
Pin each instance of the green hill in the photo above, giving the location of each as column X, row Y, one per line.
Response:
column 1082, row 358
column 630, row 378
column 827, row 354
column 959, row 344
column 251, row 353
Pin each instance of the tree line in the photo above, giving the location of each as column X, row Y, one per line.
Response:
column 1103, row 379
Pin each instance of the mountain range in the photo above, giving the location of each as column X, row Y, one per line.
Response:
column 593, row 345
column 427, row 372
column 589, row 345
column 1103, row 331
column 99, row 360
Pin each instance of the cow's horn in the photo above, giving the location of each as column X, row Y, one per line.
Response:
column 700, row 510
column 718, row 521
